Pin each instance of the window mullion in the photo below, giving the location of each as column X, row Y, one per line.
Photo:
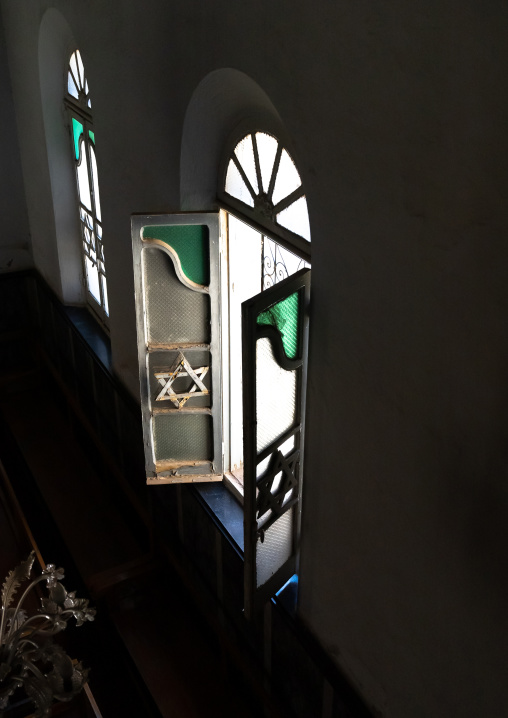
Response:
column 275, row 169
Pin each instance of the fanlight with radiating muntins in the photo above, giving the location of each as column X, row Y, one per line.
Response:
column 262, row 175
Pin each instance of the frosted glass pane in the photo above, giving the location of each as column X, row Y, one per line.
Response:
column 275, row 396
column 267, row 149
column 276, row 548
column 81, row 69
column 263, row 465
column 296, row 218
column 105, row 294
column 287, row 179
column 74, row 67
column 236, row 187
column 287, row 446
column 95, row 180
column 77, row 131
column 245, row 155
column 83, row 185
column 244, row 282
column 92, row 278
column 71, row 86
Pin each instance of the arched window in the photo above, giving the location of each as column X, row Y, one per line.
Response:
column 222, row 312
column 79, row 106
column 263, row 178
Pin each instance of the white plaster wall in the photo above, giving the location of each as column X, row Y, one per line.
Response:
column 397, row 115
column 14, row 234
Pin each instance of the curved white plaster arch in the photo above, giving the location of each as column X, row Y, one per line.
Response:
column 56, row 43
column 224, row 106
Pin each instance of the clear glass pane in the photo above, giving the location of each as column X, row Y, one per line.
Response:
column 296, row 218
column 89, row 104
column 86, row 87
column 71, row 86
column 276, row 548
column 74, row 67
column 275, row 396
column 105, row 294
column 267, row 149
column 92, row 278
column 81, row 70
column 287, row 179
column 95, row 181
column 83, row 183
column 245, row 155
column 236, row 187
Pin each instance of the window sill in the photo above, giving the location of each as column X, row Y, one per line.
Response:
column 93, row 334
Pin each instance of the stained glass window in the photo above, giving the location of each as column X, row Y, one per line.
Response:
column 79, row 105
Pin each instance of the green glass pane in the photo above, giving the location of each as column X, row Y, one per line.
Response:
column 191, row 244
column 77, row 131
column 284, row 317
column 92, row 135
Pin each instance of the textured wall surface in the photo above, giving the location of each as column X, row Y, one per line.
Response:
column 14, row 235
column 397, row 117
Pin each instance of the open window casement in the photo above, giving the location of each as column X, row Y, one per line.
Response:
column 274, row 346
column 176, row 275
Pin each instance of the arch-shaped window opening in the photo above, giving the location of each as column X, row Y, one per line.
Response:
column 79, row 106
column 264, row 195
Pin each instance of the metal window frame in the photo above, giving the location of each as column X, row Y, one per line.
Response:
column 158, row 472
column 80, row 110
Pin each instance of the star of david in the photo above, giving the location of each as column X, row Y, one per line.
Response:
column 181, row 368
column 267, row 500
